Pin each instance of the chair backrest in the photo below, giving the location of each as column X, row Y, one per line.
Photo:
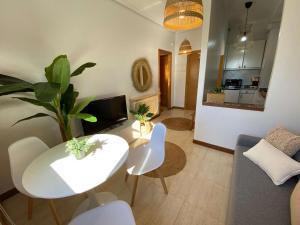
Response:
column 113, row 213
column 157, row 143
column 21, row 154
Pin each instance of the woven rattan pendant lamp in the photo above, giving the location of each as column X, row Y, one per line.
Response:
column 185, row 48
column 183, row 14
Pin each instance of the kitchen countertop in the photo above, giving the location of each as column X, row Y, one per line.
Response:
column 236, row 106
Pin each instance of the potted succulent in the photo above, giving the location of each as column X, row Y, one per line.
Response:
column 56, row 94
column 143, row 115
column 216, row 96
column 78, row 148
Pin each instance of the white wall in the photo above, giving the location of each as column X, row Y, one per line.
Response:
column 194, row 36
column 221, row 126
column 269, row 57
column 33, row 32
column 216, row 43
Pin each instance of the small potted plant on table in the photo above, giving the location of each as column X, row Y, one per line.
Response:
column 78, row 148
column 143, row 115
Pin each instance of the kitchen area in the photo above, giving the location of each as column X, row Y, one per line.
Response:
column 245, row 67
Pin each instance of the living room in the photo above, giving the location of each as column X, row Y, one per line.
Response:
column 204, row 177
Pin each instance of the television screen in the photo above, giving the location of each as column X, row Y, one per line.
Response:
column 109, row 111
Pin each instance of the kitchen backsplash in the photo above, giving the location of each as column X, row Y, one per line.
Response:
column 245, row 75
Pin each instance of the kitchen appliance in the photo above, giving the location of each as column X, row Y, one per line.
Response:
column 232, row 89
column 233, row 84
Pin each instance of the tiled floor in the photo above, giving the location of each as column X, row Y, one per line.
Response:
column 198, row 195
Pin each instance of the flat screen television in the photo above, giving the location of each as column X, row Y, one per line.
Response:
column 109, row 112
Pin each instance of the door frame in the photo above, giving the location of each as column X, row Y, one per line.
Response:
column 186, row 75
column 162, row 52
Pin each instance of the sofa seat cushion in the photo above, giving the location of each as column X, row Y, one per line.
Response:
column 254, row 199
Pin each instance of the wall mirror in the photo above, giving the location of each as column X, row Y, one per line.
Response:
column 141, row 75
column 241, row 52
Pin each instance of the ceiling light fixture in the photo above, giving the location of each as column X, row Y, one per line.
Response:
column 185, row 48
column 183, row 14
column 248, row 5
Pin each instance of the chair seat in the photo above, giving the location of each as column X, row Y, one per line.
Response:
column 141, row 161
column 114, row 213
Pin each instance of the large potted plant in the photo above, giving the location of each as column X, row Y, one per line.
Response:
column 57, row 94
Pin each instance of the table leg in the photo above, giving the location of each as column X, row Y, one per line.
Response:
column 54, row 212
column 94, row 200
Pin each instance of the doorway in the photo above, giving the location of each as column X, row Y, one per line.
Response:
column 165, row 78
column 192, row 76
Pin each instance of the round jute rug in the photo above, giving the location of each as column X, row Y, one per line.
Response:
column 175, row 160
column 178, row 123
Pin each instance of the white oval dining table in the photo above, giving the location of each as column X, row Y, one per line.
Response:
column 57, row 174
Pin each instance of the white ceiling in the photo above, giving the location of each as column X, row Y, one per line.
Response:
column 151, row 9
column 267, row 11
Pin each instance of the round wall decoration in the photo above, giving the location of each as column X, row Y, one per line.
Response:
column 141, row 75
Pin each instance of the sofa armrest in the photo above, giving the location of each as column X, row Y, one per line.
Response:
column 247, row 140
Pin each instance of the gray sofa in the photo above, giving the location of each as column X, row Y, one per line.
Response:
column 254, row 199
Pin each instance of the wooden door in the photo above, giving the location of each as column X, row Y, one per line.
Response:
column 192, row 75
column 165, row 70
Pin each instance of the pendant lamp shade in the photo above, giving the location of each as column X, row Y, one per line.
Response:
column 183, row 14
column 185, row 48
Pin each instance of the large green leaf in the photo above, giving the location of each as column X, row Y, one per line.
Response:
column 80, row 69
column 4, row 80
column 38, row 115
column 68, row 99
column 86, row 117
column 81, row 105
column 38, row 103
column 14, row 88
column 59, row 72
column 46, row 92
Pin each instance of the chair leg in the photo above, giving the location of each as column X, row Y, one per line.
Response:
column 126, row 176
column 30, row 208
column 134, row 190
column 54, row 212
column 162, row 179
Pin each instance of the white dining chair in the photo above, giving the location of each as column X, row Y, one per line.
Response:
column 148, row 157
column 21, row 154
column 113, row 213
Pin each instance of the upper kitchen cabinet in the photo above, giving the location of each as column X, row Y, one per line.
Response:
column 235, row 56
column 245, row 55
column 254, row 54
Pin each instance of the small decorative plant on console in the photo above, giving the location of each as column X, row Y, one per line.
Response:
column 143, row 115
column 216, row 96
column 57, row 95
column 78, row 148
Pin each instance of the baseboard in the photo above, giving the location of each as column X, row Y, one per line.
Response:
column 8, row 194
column 177, row 107
column 216, row 147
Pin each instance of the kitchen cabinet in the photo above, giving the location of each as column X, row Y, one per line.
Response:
column 247, row 55
column 232, row 96
column 254, row 54
column 247, row 96
column 235, row 57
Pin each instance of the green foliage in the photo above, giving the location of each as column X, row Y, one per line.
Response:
column 57, row 95
column 217, row 90
column 142, row 114
column 78, row 147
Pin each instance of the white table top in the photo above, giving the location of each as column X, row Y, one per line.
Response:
column 56, row 174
